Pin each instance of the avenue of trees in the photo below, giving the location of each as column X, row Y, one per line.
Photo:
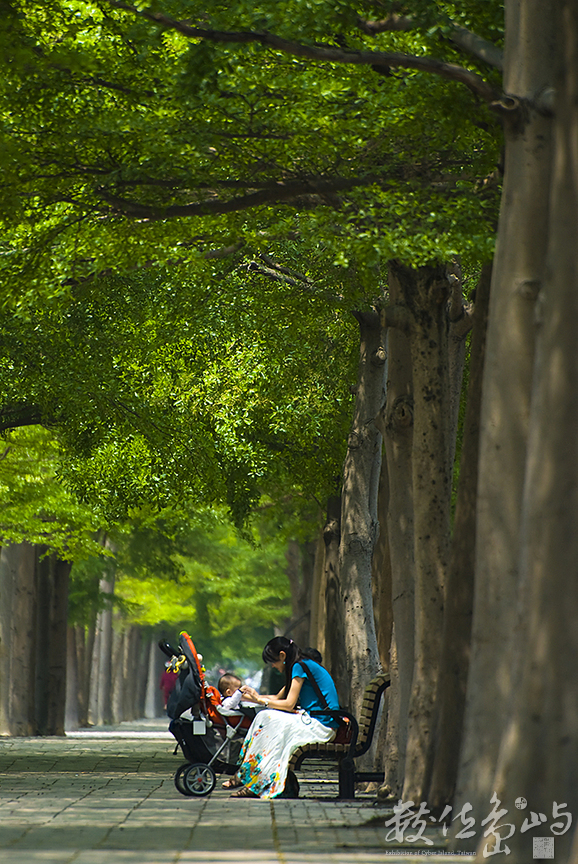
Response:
column 246, row 251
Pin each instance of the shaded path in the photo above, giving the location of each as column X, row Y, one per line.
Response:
column 108, row 797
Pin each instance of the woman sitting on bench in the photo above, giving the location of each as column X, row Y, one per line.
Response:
column 277, row 732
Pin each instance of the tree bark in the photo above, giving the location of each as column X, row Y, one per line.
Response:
column 153, row 704
column 334, row 624
column 299, row 572
column 22, row 561
column 539, row 752
column 396, row 424
column 318, row 612
column 359, row 521
column 450, row 702
column 381, row 574
column 51, row 642
column 72, row 710
column 7, row 572
column 117, row 671
column 85, row 638
column 530, row 58
column 102, row 668
column 425, row 292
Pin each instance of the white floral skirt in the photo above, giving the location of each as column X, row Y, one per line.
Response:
column 272, row 739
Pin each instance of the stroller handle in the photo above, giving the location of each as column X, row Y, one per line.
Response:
column 168, row 649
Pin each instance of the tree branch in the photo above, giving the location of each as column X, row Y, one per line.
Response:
column 270, row 262
column 327, row 54
column 15, row 416
column 285, row 276
column 463, row 38
column 276, row 276
column 275, row 192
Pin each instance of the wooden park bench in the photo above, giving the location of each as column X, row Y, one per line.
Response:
column 358, row 743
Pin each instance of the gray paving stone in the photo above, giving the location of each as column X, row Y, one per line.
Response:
column 85, row 799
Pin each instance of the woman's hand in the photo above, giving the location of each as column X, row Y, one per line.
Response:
column 249, row 694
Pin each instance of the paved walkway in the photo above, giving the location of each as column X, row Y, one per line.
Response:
column 107, row 797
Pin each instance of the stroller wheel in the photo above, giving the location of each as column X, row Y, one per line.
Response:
column 198, row 779
column 179, row 779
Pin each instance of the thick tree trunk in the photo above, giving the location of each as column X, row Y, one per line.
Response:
column 460, row 585
column 359, row 522
column 396, row 424
column 51, row 642
column 22, row 561
column 425, row 292
column 539, row 753
column 530, row 59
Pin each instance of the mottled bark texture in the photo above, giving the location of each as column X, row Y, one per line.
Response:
column 539, row 753
column 425, row 293
column 396, row 424
column 518, row 273
column 359, row 519
column 450, row 703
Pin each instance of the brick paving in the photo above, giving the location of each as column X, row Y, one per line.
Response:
column 107, row 797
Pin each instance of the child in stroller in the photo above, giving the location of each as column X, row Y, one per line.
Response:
column 204, row 730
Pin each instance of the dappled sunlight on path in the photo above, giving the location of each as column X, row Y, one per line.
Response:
column 106, row 796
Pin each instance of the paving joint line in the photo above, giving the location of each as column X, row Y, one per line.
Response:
column 275, row 834
column 189, row 840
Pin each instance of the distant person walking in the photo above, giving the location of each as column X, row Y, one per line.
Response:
column 168, row 681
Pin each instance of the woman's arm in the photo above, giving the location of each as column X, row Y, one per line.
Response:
column 287, row 704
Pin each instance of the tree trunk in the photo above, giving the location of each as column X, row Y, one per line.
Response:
column 318, row 612
column 140, row 646
column 539, row 753
column 334, row 624
column 103, row 656
column 51, row 642
column 153, row 706
column 72, row 710
column 7, row 572
column 396, row 424
column 393, row 762
column 85, row 638
column 359, row 522
column 117, row 671
column 22, row 562
column 425, row 292
column 381, row 574
column 299, row 572
column 460, row 585
column 530, row 58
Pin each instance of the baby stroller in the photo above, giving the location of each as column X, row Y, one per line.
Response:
column 209, row 736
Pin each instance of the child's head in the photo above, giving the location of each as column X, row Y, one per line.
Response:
column 228, row 683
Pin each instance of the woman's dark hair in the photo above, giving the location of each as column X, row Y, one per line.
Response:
column 293, row 653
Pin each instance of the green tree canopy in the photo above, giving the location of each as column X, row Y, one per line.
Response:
column 129, row 137
column 34, row 506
